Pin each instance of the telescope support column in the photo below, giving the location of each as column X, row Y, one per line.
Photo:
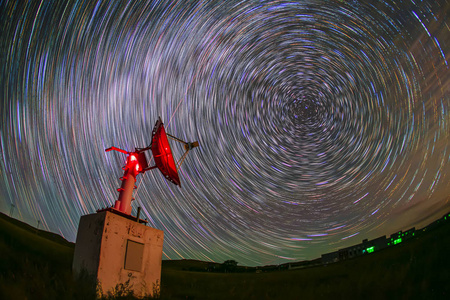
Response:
column 126, row 192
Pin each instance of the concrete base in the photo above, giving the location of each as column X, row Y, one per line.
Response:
column 117, row 251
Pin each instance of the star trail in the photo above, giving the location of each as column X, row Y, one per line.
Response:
column 320, row 123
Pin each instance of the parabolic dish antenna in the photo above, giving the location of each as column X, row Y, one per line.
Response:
column 162, row 153
column 137, row 163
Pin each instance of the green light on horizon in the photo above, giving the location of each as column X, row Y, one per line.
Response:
column 370, row 249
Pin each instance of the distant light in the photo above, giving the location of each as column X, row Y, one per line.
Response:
column 397, row 241
column 370, row 249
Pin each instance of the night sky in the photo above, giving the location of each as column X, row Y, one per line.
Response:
column 320, row 123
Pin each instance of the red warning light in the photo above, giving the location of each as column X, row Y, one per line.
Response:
column 133, row 164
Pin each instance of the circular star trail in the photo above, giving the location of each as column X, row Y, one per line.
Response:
column 320, row 123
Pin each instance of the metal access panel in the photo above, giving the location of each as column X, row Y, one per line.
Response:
column 134, row 256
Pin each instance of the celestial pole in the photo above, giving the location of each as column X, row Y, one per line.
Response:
column 320, row 123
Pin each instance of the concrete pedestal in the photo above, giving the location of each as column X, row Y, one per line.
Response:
column 117, row 251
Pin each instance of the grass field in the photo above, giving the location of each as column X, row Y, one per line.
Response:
column 37, row 265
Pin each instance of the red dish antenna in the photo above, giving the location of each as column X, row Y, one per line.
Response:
column 137, row 163
column 162, row 153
